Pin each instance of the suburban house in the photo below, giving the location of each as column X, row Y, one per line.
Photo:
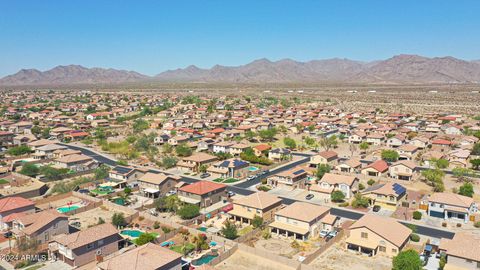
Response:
column 396, row 141
column 302, row 220
column 222, row 147
column 293, row 178
column 330, row 182
column 357, row 137
column 177, row 140
column 350, row 166
column 193, row 162
column 388, row 195
column 376, row 168
column 83, row 247
column 147, row 257
column 6, row 138
column 279, row 154
column 324, row 157
column 450, row 206
column 127, row 174
column 375, row 138
column 154, row 185
column 203, row 193
column 237, row 149
column 261, row 149
column 76, row 162
column 374, row 235
column 261, row 204
column 407, row 151
column 40, row 226
column 12, row 207
column 230, row 168
column 402, row 170
column 462, row 251
column 46, row 151
column 420, row 142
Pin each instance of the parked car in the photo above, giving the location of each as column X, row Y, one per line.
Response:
column 424, row 259
column 251, row 177
column 231, row 193
column 309, row 196
column 332, row 234
column 204, row 175
column 171, row 192
column 323, row 233
column 376, row 208
column 153, row 212
column 7, row 234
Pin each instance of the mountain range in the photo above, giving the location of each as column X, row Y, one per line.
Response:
column 395, row 70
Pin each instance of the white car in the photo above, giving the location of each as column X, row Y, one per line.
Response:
column 324, row 233
column 171, row 192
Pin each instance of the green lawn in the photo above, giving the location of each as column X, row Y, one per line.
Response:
column 245, row 230
column 178, row 248
column 3, row 181
column 230, row 180
column 218, row 180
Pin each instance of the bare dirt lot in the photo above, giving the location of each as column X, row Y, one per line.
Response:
column 337, row 258
column 245, row 261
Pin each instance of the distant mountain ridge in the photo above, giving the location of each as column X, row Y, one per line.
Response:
column 398, row 69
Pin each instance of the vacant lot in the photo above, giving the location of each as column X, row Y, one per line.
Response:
column 337, row 258
column 245, row 261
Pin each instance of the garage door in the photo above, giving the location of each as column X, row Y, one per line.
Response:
column 437, row 214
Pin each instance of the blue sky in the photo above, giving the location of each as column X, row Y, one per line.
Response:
column 153, row 36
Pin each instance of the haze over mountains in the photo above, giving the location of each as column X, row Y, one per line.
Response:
column 396, row 70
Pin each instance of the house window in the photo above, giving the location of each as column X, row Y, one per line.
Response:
column 382, row 249
column 394, row 250
column 478, row 265
column 364, row 235
column 90, row 246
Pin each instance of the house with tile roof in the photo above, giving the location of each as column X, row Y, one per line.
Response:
column 462, row 252
column 386, row 195
column 402, row 170
column 12, row 207
column 154, row 185
column 83, row 247
column 203, row 193
column 147, row 257
column 302, row 221
column 193, row 162
column 376, row 168
column 450, row 206
column 293, row 178
column 324, row 157
column 41, row 226
column 230, row 168
column 352, row 165
column 279, row 154
column 374, row 235
column 76, row 162
column 261, row 204
column 331, row 182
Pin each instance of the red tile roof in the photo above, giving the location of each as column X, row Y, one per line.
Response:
column 12, row 203
column 441, row 141
column 379, row 165
column 202, row 187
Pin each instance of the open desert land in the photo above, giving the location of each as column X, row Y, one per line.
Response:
column 246, row 261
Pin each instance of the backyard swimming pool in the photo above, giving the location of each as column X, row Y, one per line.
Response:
column 252, row 168
column 131, row 233
column 204, row 259
column 66, row 209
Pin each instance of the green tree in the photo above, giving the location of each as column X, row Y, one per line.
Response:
column 390, row 155
column 328, row 142
column 140, row 125
column 337, row 196
column 475, row 163
column 257, row 221
column 322, row 170
column 466, row 190
column 360, row 201
column 267, row 134
column 169, row 162
column 289, row 143
column 364, row 146
column 144, row 238
column 434, row 177
column 183, row 150
column 476, row 149
column 229, row 230
column 203, row 168
column 102, row 172
column 371, row 182
column 440, row 163
column 19, row 150
column 250, row 135
column 189, row 211
column 29, row 169
column 407, row 260
column 118, row 220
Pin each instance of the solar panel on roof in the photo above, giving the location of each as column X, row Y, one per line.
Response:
column 122, row 170
column 225, row 163
column 399, row 189
column 239, row 163
column 299, row 172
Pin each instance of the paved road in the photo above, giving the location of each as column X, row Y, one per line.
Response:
column 258, row 179
column 242, row 189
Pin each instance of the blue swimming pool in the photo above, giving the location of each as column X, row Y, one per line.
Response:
column 252, row 168
column 204, row 259
column 131, row 233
